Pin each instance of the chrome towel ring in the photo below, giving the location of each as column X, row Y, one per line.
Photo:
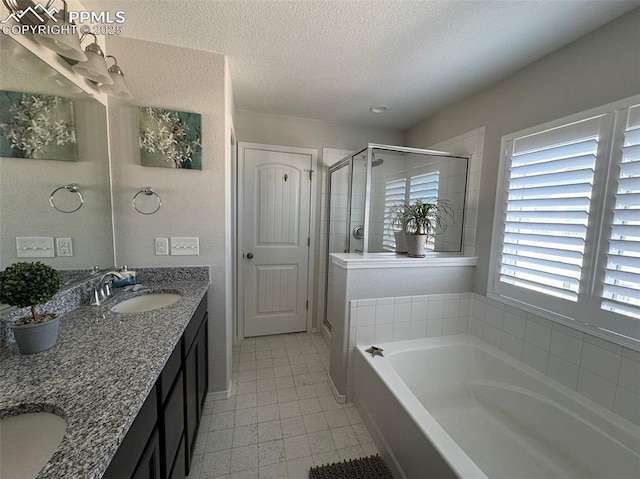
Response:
column 147, row 191
column 72, row 188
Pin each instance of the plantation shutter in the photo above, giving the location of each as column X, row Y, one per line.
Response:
column 550, row 182
column 621, row 287
column 394, row 194
column 424, row 187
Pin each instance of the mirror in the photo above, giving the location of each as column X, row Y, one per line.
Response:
column 26, row 184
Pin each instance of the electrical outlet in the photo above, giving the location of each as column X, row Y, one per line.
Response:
column 34, row 247
column 162, row 246
column 64, row 246
column 185, row 246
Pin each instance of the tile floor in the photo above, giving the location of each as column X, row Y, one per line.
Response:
column 282, row 418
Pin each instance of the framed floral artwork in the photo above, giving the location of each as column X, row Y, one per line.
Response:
column 170, row 139
column 39, row 127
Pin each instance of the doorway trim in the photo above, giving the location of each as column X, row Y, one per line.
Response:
column 240, row 236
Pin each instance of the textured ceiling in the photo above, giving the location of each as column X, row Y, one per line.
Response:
column 332, row 60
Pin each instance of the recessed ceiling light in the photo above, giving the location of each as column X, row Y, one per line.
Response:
column 378, row 108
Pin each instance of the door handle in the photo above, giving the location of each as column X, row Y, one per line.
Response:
column 249, row 255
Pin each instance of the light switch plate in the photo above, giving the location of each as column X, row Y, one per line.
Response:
column 162, row 246
column 185, row 246
column 64, row 247
column 34, row 247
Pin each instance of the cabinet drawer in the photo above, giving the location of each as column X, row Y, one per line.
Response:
column 194, row 325
column 169, row 373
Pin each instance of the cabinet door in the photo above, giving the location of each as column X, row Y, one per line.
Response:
column 191, row 400
column 172, row 424
column 203, row 364
column 149, row 465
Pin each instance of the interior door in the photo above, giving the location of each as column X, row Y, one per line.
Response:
column 275, row 255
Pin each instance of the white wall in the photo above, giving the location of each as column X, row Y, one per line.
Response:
column 254, row 127
column 599, row 68
column 194, row 203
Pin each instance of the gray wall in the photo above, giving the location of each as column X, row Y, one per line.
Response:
column 599, row 68
column 194, row 203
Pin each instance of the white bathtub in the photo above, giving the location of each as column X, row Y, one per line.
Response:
column 456, row 407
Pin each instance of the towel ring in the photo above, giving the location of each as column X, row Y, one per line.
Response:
column 147, row 191
column 72, row 188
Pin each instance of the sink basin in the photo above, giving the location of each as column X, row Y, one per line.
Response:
column 148, row 302
column 28, row 442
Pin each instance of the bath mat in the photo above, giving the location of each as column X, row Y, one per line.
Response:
column 372, row 467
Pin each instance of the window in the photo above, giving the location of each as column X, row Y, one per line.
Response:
column 421, row 187
column 568, row 220
column 394, row 194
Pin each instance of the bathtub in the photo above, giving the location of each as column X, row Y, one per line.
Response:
column 457, row 407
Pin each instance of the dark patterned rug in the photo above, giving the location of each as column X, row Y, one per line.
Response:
column 372, row 467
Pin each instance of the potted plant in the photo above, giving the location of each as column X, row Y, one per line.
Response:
column 30, row 284
column 422, row 220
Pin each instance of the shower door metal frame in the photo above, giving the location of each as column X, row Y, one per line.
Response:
column 402, row 149
column 348, row 163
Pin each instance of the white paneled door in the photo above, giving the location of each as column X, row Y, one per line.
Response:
column 275, row 236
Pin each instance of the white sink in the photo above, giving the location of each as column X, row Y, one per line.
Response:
column 28, row 442
column 147, row 302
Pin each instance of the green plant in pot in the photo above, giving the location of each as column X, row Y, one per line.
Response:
column 28, row 285
column 423, row 220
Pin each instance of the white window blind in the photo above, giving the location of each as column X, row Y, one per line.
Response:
column 567, row 221
column 425, row 188
column 620, row 293
column 394, row 194
column 547, row 211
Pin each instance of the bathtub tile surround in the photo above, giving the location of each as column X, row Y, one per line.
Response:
column 384, row 320
column 606, row 373
column 282, row 418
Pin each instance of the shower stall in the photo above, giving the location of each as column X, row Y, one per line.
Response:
column 366, row 186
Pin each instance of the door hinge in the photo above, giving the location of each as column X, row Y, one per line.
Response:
column 310, row 174
column 307, row 304
column 308, row 241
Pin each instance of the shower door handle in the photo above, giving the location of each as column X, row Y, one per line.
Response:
column 249, row 255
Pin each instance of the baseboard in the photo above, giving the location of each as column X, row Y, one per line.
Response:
column 326, row 334
column 340, row 398
column 217, row 395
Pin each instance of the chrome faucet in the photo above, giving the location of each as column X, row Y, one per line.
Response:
column 103, row 292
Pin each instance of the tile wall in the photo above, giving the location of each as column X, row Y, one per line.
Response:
column 383, row 320
column 606, row 373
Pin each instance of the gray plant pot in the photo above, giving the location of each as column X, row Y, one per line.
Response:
column 416, row 245
column 35, row 338
column 401, row 242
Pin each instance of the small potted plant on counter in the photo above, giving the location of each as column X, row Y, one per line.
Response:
column 30, row 284
column 423, row 220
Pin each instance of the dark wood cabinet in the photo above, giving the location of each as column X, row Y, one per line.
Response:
column 160, row 442
column 149, row 464
column 196, row 385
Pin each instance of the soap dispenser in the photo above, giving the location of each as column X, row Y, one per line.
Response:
column 128, row 277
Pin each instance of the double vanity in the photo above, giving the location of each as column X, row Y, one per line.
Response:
column 129, row 385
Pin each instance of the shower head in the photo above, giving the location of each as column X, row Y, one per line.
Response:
column 374, row 162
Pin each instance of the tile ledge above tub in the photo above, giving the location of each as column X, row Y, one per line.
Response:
column 391, row 260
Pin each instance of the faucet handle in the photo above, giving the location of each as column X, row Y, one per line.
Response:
column 96, row 297
column 106, row 290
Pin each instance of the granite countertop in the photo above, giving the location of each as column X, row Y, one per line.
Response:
column 97, row 376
